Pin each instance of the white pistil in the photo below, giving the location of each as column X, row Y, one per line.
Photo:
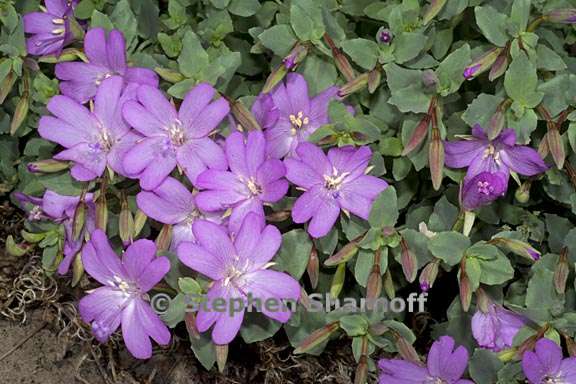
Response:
column 253, row 187
column 176, row 133
column 334, row 181
column 58, row 31
column 491, row 151
column 58, row 21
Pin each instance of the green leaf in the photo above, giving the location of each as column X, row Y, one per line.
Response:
column 84, row 9
column 204, row 350
column 257, row 327
column 193, row 59
column 484, row 366
column 449, row 246
column 244, row 8
column 171, row 44
column 279, row 39
column 408, row 93
column 384, row 211
column 521, row 81
column 520, row 14
column 450, row 71
column 362, row 51
column 492, row 24
column 294, row 253
column 354, row 325
column 408, row 45
column 548, row 59
column 494, row 265
column 306, row 20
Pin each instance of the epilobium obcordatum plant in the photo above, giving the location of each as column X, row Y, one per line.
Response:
column 267, row 151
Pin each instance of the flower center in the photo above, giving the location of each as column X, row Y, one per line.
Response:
column 192, row 216
column 106, row 140
column 35, row 213
column 254, row 188
column 176, row 133
column 491, row 151
column 126, row 287
column 435, row 380
column 552, row 380
column 485, row 188
column 58, row 26
column 103, row 77
column 298, row 121
column 334, row 181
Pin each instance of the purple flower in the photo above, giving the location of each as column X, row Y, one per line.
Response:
column 563, row 16
column 252, row 180
column 122, row 299
column 489, row 163
column 50, row 29
column 240, row 272
column 384, row 36
column 471, row 70
column 60, row 209
column 495, row 329
column 106, row 58
column 264, row 111
column 174, row 138
column 332, row 183
column 93, row 140
column 545, row 364
column 445, row 365
column 298, row 115
column 172, row 203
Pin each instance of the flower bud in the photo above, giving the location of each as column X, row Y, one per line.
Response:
column 340, row 60
column 500, row 65
column 384, row 36
column 374, row 285
column 338, row 280
column 481, row 63
column 429, row 274
column 562, row 16
column 354, row 85
column 278, row 216
column 570, row 345
column 522, row 194
column 169, row 75
column 361, row 374
column 164, row 238
column 406, row 349
column 274, row 78
column 378, row 329
column 430, row 79
column 190, row 321
column 433, row 9
column 496, row 123
column 465, row 291
column 517, row 247
column 482, row 300
column 244, row 117
column 6, row 86
column 139, row 222
column 374, row 78
column 20, row 113
column 561, row 272
column 77, row 269
column 346, row 253
column 408, row 261
column 47, row 166
column 102, row 211
column 79, row 218
column 126, row 222
column 418, row 135
column 221, row 356
column 436, row 159
column 68, row 54
column 317, row 337
column 32, row 237
column 556, row 146
column 296, row 56
column 389, row 285
column 313, row 267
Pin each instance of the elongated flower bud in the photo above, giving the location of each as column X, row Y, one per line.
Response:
column 77, row 269
column 190, row 321
column 570, row 345
column 374, row 78
column 338, row 280
column 482, row 300
column 313, row 267
column 571, row 171
column 346, row 253
column 405, row 349
column 354, row 85
column 79, row 219
column 340, row 60
column 436, row 159
column 500, row 65
column 169, row 75
column 429, row 274
column 561, row 272
column 408, row 261
column 20, row 113
column 276, row 76
column 139, row 222
column 317, row 337
column 47, row 166
column 296, row 56
column 517, row 247
column 556, row 146
column 433, row 9
column 374, row 285
column 497, row 121
column 389, row 287
column 244, row 117
column 418, row 135
column 164, row 238
column 361, row 374
column 562, row 16
column 221, row 356
column 6, row 86
column 465, row 291
column 126, row 222
column 481, row 63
